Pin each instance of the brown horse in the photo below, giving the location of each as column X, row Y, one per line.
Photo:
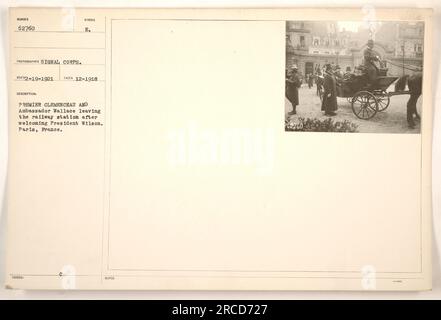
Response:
column 415, row 84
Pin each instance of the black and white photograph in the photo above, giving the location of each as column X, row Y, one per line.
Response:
column 354, row 76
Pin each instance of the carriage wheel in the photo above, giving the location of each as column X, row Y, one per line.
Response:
column 364, row 105
column 383, row 100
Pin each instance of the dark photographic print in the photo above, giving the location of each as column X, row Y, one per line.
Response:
column 354, row 76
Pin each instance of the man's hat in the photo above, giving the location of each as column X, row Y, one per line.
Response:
column 348, row 68
column 370, row 41
column 294, row 66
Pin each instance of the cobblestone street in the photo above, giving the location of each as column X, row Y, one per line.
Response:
column 392, row 120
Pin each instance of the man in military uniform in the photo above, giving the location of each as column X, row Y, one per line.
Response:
column 293, row 83
column 319, row 81
column 370, row 57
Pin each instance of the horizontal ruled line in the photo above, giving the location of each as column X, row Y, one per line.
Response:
column 60, row 81
column 87, row 48
column 261, row 271
column 54, row 64
column 58, row 31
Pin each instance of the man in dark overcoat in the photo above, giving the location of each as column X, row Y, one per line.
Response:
column 292, row 89
column 370, row 56
column 329, row 103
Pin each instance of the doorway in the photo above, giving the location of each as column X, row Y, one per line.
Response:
column 309, row 68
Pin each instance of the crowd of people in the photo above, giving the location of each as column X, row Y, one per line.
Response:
column 325, row 80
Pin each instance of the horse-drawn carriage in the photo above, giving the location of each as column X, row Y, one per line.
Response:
column 366, row 98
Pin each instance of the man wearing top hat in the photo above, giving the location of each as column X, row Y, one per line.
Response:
column 292, row 89
column 348, row 73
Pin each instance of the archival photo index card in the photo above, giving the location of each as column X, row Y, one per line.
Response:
column 219, row 149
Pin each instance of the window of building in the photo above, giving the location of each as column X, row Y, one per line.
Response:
column 298, row 25
column 302, row 41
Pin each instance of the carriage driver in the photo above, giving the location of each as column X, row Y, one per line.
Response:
column 370, row 57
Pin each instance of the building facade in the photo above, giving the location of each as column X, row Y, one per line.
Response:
column 311, row 45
